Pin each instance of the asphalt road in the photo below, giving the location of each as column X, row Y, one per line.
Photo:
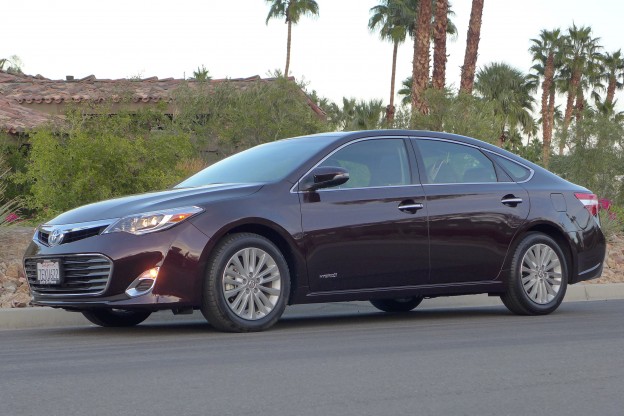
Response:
column 329, row 361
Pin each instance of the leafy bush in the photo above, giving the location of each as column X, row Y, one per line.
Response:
column 460, row 114
column 224, row 119
column 96, row 155
column 8, row 208
column 99, row 157
column 611, row 219
column 596, row 159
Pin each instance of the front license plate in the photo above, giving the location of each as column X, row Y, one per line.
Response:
column 48, row 272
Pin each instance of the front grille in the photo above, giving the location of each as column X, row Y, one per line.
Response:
column 43, row 236
column 82, row 275
column 79, row 235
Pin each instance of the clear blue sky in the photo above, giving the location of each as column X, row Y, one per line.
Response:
column 335, row 52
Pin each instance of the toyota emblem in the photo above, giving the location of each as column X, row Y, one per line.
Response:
column 55, row 238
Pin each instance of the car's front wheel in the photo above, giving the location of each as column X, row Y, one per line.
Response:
column 398, row 304
column 538, row 277
column 116, row 317
column 247, row 284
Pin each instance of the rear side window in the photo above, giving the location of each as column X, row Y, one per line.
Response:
column 446, row 162
column 517, row 172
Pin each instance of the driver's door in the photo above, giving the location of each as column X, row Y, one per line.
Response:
column 368, row 232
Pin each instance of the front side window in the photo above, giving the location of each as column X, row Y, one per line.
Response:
column 446, row 162
column 372, row 163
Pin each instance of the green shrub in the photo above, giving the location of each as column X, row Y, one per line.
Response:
column 224, row 119
column 9, row 208
column 99, row 157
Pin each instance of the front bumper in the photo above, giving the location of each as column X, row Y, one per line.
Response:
column 176, row 251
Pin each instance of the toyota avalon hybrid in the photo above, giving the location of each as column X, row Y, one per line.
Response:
column 391, row 217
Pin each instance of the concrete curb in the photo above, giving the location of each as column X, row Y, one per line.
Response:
column 25, row 318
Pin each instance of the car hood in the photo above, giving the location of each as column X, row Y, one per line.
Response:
column 154, row 201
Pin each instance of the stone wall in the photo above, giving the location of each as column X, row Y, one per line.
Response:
column 14, row 291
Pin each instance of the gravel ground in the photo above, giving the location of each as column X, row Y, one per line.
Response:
column 14, row 291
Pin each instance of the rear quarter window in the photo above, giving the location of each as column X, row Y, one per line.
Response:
column 517, row 172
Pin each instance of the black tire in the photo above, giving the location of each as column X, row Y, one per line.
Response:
column 219, row 309
column 397, row 305
column 520, row 300
column 116, row 317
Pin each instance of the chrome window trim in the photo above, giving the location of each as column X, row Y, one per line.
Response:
column 361, row 188
column 467, row 183
column 61, row 295
column 293, row 189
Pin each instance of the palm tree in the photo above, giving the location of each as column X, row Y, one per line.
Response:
column 201, row 74
column 393, row 19
column 613, row 74
column 291, row 11
column 472, row 47
column 357, row 115
column 546, row 53
column 508, row 90
column 406, row 90
column 440, row 27
column 12, row 64
column 579, row 50
column 420, row 71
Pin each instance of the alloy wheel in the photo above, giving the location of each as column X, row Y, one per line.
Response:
column 541, row 273
column 251, row 283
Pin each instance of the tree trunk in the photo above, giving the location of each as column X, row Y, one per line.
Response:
column 501, row 139
column 439, row 44
column 472, row 47
column 390, row 109
column 611, row 90
column 567, row 117
column 579, row 107
column 551, row 111
column 420, row 72
column 288, row 49
column 549, row 72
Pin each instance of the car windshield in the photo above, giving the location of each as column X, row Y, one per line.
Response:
column 268, row 162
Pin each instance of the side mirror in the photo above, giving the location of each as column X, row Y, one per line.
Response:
column 324, row 177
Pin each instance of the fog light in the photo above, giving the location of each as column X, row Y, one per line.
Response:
column 144, row 283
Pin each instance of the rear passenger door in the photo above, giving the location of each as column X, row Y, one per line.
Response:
column 474, row 211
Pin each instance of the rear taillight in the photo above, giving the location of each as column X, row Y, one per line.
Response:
column 590, row 201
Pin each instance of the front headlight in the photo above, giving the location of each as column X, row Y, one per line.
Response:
column 148, row 222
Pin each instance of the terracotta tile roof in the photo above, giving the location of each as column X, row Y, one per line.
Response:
column 15, row 118
column 27, row 89
column 37, row 89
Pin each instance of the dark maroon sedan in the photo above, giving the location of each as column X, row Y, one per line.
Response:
column 387, row 216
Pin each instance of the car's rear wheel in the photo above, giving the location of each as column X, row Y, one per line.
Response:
column 538, row 277
column 398, row 304
column 247, row 284
column 116, row 317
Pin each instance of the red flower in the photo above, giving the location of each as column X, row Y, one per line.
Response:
column 605, row 203
column 12, row 217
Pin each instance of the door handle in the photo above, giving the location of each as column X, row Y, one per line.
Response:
column 410, row 206
column 511, row 200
